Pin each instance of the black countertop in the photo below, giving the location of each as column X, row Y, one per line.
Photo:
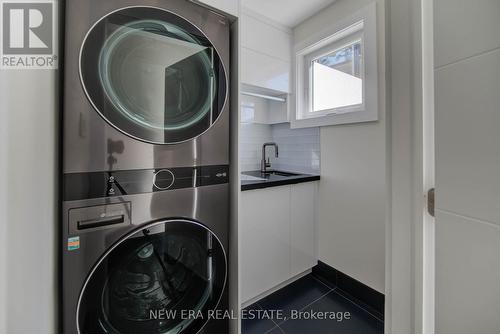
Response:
column 274, row 180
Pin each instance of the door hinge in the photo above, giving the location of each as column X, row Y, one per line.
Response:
column 431, row 198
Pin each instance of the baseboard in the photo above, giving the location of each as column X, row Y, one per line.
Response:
column 360, row 293
column 274, row 289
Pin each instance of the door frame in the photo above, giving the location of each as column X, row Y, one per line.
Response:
column 410, row 230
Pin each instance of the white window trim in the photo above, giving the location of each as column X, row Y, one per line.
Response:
column 361, row 25
column 307, row 72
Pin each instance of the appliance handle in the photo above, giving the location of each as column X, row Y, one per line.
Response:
column 99, row 222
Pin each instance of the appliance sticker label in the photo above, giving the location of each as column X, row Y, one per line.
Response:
column 73, row 243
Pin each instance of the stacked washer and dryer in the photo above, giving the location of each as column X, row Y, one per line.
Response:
column 145, row 211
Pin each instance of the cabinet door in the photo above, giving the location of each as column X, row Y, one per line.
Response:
column 264, row 240
column 303, row 227
column 228, row 6
column 265, row 38
column 261, row 70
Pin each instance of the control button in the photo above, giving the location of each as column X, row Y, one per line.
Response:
column 163, row 179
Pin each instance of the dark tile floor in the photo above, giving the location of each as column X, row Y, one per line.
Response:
column 309, row 295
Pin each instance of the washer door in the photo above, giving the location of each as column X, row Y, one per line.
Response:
column 153, row 75
column 163, row 278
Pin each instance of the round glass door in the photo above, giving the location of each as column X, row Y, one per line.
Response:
column 153, row 75
column 164, row 278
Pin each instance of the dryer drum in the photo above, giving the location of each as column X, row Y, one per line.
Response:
column 152, row 75
column 163, row 278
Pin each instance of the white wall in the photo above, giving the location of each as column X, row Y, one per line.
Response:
column 28, row 167
column 352, row 192
column 3, row 210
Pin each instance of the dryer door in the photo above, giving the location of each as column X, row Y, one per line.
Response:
column 164, row 278
column 153, row 75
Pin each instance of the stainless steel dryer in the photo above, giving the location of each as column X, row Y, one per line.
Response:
column 146, row 85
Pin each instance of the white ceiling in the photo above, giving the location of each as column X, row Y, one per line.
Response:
column 286, row 12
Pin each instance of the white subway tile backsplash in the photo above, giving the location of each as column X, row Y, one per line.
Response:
column 299, row 149
column 252, row 136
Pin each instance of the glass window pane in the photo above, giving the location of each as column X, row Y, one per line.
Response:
column 337, row 79
column 157, row 80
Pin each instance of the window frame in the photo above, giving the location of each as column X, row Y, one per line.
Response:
column 309, row 83
column 361, row 26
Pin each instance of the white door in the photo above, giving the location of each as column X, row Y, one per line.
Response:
column 467, row 134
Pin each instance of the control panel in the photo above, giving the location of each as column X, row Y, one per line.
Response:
column 79, row 186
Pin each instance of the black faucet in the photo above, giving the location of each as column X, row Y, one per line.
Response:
column 266, row 164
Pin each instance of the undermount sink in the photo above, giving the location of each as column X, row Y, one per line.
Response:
column 245, row 177
column 267, row 176
column 280, row 173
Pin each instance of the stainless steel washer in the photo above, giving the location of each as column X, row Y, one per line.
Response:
column 147, row 260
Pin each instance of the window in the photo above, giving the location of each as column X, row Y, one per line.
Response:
column 336, row 76
column 337, row 79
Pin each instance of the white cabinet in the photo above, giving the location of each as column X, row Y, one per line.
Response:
column 263, row 110
column 265, row 239
column 258, row 69
column 303, row 215
column 278, row 111
column 277, row 239
column 259, row 34
column 228, row 6
column 266, row 53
